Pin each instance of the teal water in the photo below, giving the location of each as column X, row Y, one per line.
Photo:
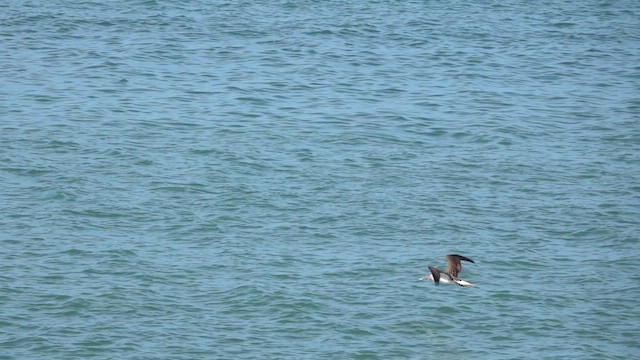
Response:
column 269, row 179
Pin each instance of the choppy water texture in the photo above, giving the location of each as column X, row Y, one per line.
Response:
column 268, row 179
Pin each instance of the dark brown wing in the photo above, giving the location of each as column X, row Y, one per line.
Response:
column 454, row 267
column 436, row 274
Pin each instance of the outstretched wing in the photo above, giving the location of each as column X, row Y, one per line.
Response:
column 454, row 267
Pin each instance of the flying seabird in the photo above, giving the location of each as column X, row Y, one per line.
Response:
column 450, row 275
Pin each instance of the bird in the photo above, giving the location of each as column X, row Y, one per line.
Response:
column 450, row 275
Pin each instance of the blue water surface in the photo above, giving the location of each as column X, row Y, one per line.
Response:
column 268, row 179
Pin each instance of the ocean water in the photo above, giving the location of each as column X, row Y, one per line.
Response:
column 268, row 179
